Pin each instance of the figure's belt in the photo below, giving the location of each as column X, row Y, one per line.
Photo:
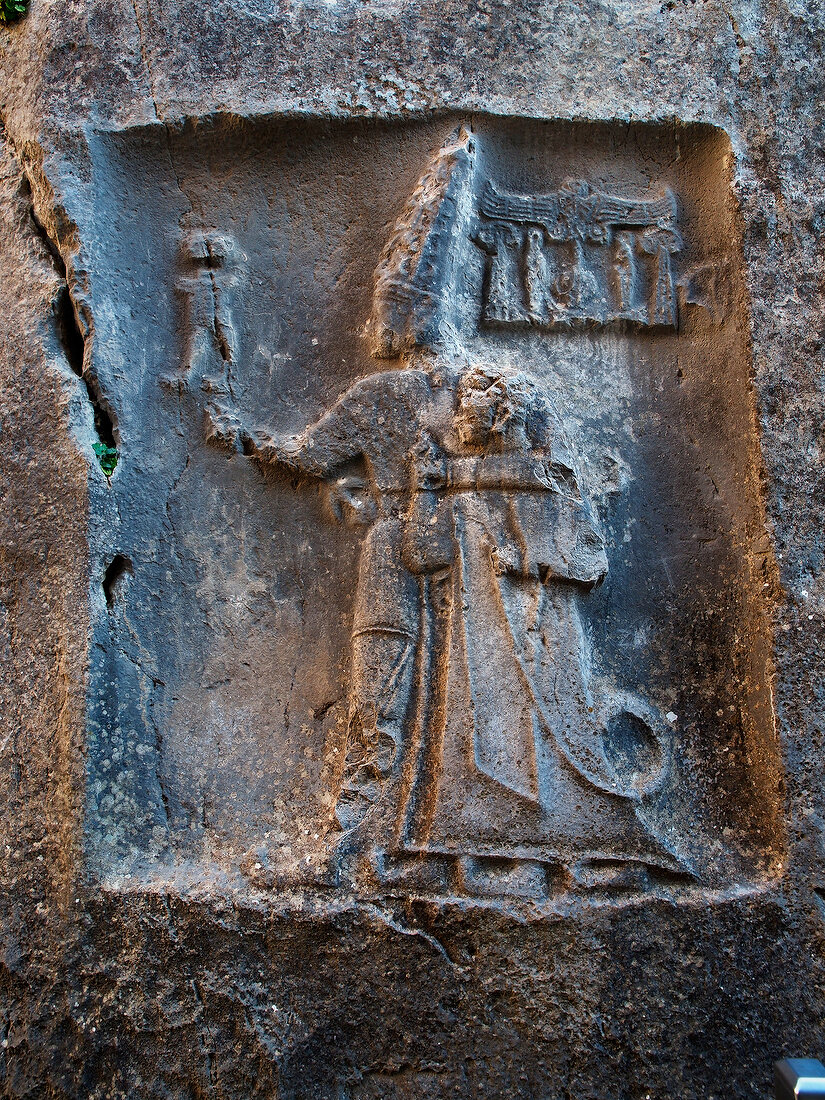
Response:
column 483, row 472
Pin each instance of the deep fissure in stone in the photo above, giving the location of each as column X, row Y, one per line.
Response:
column 118, row 569
column 71, row 334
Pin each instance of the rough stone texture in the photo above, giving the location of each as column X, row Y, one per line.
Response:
column 151, row 982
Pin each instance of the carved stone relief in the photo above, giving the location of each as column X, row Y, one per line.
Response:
column 471, row 625
column 211, row 274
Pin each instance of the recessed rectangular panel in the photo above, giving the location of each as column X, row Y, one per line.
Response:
column 441, row 567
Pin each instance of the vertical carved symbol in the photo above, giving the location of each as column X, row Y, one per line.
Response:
column 211, row 265
column 661, row 243
column 505, row 294
column 625, row 273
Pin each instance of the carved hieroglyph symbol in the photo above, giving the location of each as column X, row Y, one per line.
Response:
column 578, row 255
column 211, row 270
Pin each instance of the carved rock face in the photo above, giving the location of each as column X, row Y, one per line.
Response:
column 401, row 697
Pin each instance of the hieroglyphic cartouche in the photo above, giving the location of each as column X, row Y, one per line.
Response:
column 578, row 255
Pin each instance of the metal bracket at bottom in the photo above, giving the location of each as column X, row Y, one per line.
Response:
column 799, row 1079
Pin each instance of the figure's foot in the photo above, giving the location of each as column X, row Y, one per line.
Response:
column 364, row 780
column 357, row 798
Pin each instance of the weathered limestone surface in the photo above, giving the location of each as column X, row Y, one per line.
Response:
column 195, row 201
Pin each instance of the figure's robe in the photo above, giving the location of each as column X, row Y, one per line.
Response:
column 511, row 759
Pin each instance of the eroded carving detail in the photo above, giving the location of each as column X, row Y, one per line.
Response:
column 708, row 284
column 576, row 256
column 414, row 268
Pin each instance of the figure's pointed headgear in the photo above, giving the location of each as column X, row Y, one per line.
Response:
column 413, row 277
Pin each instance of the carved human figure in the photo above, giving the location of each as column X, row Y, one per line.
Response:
column 477, row 728
column 498, row 506
column 211, row 263
column 478, row 542
column 376, row 423
column 513, row 759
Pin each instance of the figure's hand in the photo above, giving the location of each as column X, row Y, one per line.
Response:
column 223, row 427
column 286, row 449
column 351, row 501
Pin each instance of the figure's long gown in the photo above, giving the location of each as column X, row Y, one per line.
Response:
column 506, row 758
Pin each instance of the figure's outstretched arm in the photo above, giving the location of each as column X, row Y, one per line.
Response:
column 318, row 450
